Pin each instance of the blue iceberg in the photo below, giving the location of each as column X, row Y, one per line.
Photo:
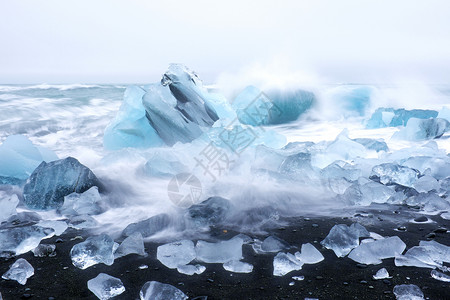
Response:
column 389, row 117
column 354, row 99
column 423, row 129
column 19, row 157
column 51, row 182
column 254, row 107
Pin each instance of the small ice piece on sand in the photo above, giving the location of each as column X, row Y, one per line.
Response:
column 220, row 252
column 273, row 244
column 96, row 249
column 408, row 292
column 298, row 278
column 440, row 276
column 374, row 252
column 20, row 271
column 134, row 244
column 381, row 274
column 176, row 254
column 154, row 290
column 237, row 266
column 44, row 250
column 87, row 203
column 105, row 286
column 284, row 263
column 191, row 269
column 342, row 238
column 427, row 255
column 309, row 254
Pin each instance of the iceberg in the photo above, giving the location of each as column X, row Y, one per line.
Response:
column 353, row 99
column 284, row 263
column 96, row 249
column 342, row 238
column 19, row 157
column 389, row 117
column 154, row 290
column 390, row 173
column 254, row 107
column 444, row 113
column 408, row 292
column 134, row 244
column 20, row 271
column 176, row 254
column 423, row 129
column 149, row 226
column 210, row 212
column 51, row 182
column 86, row 203
column 373, row 252
column 105, row 286
column 220, row 252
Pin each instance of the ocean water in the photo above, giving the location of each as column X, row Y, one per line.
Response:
column 71, row 119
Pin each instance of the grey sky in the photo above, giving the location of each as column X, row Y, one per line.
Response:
column 103, row 41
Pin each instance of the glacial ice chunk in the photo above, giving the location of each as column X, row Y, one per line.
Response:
column 284, row 263
column 353, row 99
column 44, row 250
column 440, row 276
column 19, row 240
column 372, row 144
column 418, row 129
column 374, row 252
column 342, row 238
column 50, row 182
column 20, row 271
column 176, row 254
column 191, row 269
column 86, row 203
column 429, row 254
column 389, row 117
column 437, row 167
column 309, row 254
column 408, row 292
column 96, row 249
column 370, row 192
column 220, row 252
column 8, row 203
column 444, row 113
column 274, row 244
column 426, row 183
column 149, row 226
column 237, row 266
column 19, row 157
column 390, row 173
column 381, row 274
column 154, row 290
column 130, row 127
column 105, row 286
column 58, row 226
column 210, row 212
column 134, row 244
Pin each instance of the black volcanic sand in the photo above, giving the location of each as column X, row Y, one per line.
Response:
column 333, row 278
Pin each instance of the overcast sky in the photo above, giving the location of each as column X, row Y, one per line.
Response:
column 132, row 41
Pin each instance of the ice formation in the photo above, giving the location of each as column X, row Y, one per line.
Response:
column 86, row 203
column 429, row 254
column 210, row 212
column 19, row 240
column 51, row 182
column 440, row 276
column 284, row 263
column 342, row 238
column 389, row 117
column 19, row 157
column 220, row 252
column 96, row 249
column 381, row 274
column 149, row 226
column 238, row 266
column 408, row 292
column 105, row 286
column 154, row 290
column 176, row 254
column 374, row 252
column 44, row 250
column 134, row 244
column 8, row 203
column 191, row 269
column 20, row 271
column 273, row 244
column 423, row 129
column 309, row 254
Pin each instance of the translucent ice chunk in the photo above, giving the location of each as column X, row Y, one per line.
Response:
column 220, row 252
column 58, row 226
column 154, row 290
column 381, row 274
column 408, row 292
column 444, row 113
column 238, row 266
column 426, row 184
column 176, row 254
column 389, row 117
column 8, row 203
column 96, row 249
column 372, row 144
column 44, row 250
column 374, row 252
column 273, row 244
column 437, row 167
column 309, row 254
column 440, row 276
column 390, row 173
column 284, row 263
column 429, row 254
column 353, row 99
column 105, row 287
column 19, row 157
column 50, row 182
column 19, row 240
column 191, row 269
column 210, row 212
column 371, row 192
column 87, row 203
column 149, row 226
column 134, row 244
column 342, row 238
column 20, row 271
column 418, row 129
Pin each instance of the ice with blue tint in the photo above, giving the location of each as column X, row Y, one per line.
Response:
column 58, row 226
column 154, row 290
column 163, row 163
column 191, row 269
column 212, row 211
column 342, row 238
column 134, row 244
column 389, row 117
column 408, row 292
column 365, row 194
column 391, row 173
column 220, row 252
column 444, row 113
column 309, row 254
column 354, row 99
column 254, row 107
column 44, row 250
column 423, row 129
column 95, row 250
column 105, row 286
column 429, row 254
column 176, row 254
column 273, row 244
column 20, row 271
column 149, row 226
column 284, row 263
column 237, row 266
column 426, row 183
column 440, row 276
column 51, row 182
column 373, row 252
column 381, row 274
column 178, row 108
column 435, row 166
column 8, row 204
column 373, row 144
column 19, row 240
column 19, row 157
column 130, row 127
column 86, row 203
